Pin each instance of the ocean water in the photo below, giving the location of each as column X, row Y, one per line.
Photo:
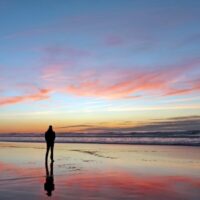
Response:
column 191, row 138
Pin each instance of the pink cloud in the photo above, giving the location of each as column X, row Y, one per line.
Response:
column 190, row 87
column 115, row 83
column 52, row 71
column 42, row 94
column 122, row 89
column 58, row 59
column 126, row 83
column 196, row 84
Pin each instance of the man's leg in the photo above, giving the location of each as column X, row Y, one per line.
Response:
column 52, row 147
column 47, row 152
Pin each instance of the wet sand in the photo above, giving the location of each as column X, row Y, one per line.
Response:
column 99, row 172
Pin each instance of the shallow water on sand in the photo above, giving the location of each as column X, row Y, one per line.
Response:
column 99, row 172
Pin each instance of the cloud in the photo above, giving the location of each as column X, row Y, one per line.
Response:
column 51, row 71
column 42, row 94
column 115, row 82
column 77, row 126
column 173, row 124
column 192, row 86
column 59, row 61
column 187, row 123
column 134, row 83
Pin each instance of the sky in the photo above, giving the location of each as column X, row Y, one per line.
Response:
column 97, row 66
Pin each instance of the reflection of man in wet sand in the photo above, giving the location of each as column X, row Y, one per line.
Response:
column 50, row 137
column 49, row 184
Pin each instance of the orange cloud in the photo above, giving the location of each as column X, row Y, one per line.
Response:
column 40, row 95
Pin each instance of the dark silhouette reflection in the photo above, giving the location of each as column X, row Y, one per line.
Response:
column 50, row 138
column 49, row 184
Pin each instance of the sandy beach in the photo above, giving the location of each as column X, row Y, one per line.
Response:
column 96, row 171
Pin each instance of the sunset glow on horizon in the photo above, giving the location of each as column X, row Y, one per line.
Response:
column 99, row 66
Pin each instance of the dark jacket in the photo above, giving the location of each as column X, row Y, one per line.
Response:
column 50, row 136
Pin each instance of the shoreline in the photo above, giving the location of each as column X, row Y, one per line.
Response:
column 107, row 143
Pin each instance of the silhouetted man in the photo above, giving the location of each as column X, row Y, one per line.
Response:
column 50, row 137
column 49, row 184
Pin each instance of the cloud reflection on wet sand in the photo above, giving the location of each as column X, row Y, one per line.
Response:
column 101, row 178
